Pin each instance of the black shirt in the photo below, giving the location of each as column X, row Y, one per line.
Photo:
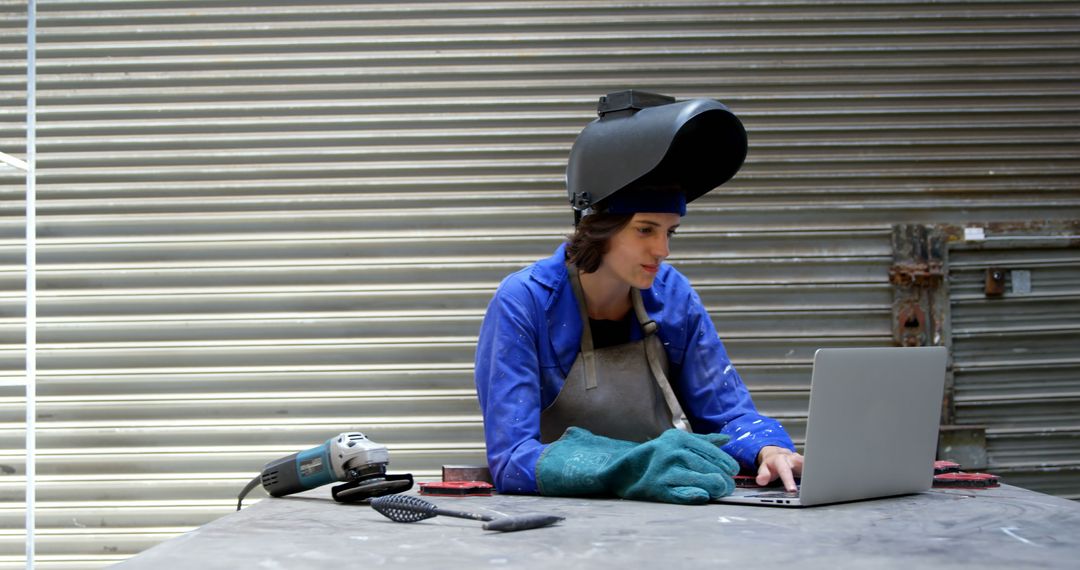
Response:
column 610, row 333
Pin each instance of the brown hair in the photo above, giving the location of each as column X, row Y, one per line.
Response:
column 589, row 242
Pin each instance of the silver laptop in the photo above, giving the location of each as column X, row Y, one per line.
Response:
column 872, row 427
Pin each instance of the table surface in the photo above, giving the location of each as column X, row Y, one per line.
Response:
column 1006, row 527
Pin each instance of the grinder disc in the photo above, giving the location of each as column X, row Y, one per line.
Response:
column 354, row 491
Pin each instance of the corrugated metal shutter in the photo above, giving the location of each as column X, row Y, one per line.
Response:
column 13, row 43
column 1016, row 359
column 264, row 223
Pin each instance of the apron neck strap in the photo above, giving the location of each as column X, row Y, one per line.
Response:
column 648, row 326
column 579, row 295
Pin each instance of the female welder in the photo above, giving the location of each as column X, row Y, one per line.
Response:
column 591, row 362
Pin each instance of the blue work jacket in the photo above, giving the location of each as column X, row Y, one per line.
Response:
column 531, row 336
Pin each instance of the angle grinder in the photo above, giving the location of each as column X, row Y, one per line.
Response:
column 349, row 457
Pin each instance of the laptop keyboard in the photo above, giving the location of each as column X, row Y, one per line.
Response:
column 777, row 495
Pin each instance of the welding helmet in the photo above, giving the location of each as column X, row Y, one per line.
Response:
column 650, row 153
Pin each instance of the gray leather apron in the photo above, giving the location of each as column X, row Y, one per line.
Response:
column 619, row 391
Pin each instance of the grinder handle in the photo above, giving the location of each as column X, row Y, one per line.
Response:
column 300, row 471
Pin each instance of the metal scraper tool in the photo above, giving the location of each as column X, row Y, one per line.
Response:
column 404, row 508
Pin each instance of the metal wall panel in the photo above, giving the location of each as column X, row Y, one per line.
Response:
column 13, row 36
column 1015, row 355
column 263, row 223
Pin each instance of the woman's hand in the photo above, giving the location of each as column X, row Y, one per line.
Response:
column 774, row 462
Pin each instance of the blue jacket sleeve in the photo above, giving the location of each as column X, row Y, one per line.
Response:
column 715, row 398
column 508, row 386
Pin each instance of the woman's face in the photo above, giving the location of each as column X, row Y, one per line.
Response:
column 636, row 252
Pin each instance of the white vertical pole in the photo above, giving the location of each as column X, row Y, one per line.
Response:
column 31, row 277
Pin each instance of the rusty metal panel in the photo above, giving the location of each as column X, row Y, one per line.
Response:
column 266, row 222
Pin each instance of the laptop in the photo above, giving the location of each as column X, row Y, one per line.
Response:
column 872, row 427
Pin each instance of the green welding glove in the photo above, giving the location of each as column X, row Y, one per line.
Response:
column 677, row 467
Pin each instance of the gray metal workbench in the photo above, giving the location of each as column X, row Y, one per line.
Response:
column 1007, row 527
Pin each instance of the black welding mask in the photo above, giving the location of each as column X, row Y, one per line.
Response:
column 650, row 153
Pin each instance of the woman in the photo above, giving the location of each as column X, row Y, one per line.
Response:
column 588, row 360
